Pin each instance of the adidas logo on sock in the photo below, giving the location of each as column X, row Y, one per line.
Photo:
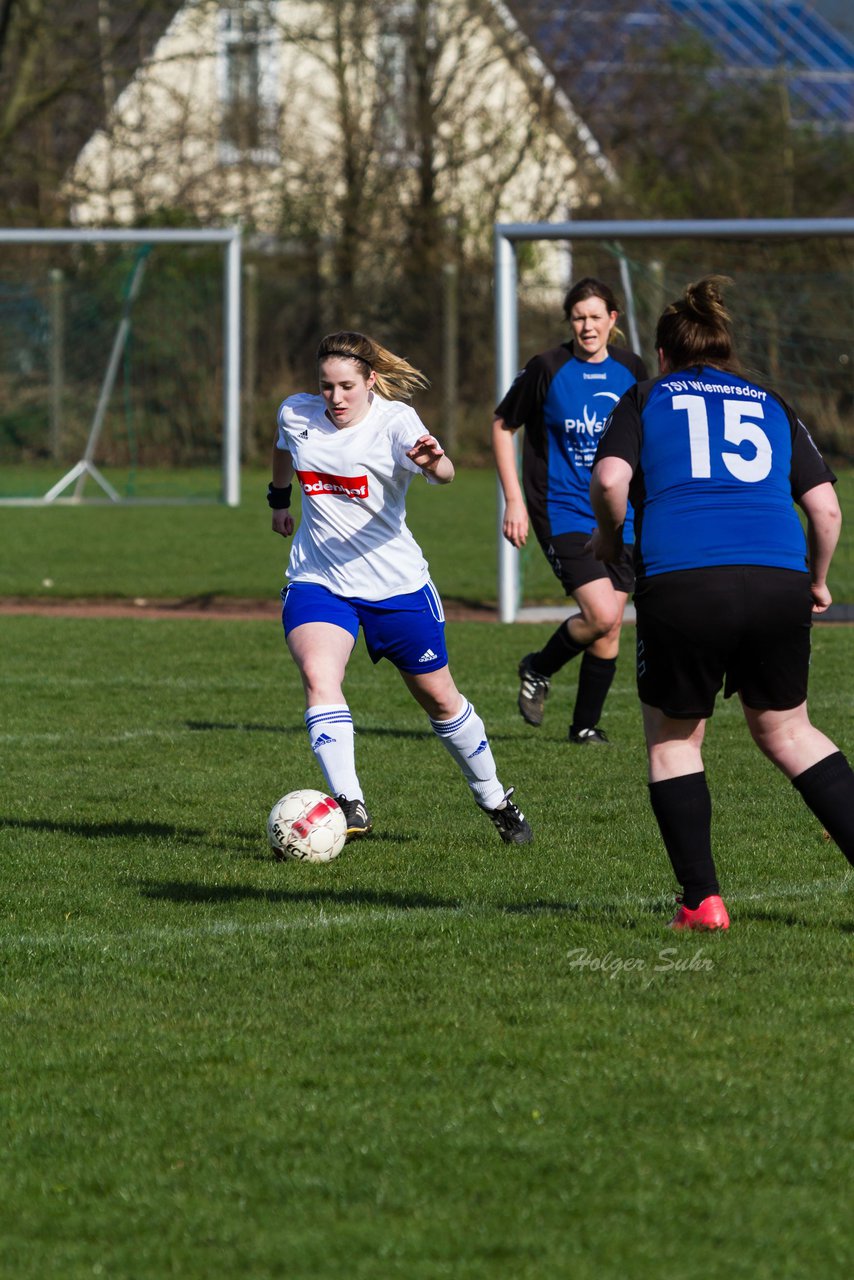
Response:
column 323, row 741
column 478, row 750
column 429, row 656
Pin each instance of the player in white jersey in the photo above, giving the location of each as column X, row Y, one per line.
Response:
column 354, row 450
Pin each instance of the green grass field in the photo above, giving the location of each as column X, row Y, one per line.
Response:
column 437, row 1056
column 199, row 550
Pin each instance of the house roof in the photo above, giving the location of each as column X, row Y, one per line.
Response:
column 810, row 43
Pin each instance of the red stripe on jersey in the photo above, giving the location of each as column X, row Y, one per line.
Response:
column 317, row 484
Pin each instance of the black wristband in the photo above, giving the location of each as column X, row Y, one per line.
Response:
column 279, row 499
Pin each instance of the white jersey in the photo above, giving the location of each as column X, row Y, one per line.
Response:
column 352, row 537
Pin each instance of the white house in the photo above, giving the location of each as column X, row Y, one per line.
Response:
column 244, row 109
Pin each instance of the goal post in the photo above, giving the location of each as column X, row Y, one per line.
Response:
column 230, row 239
column 507, row 238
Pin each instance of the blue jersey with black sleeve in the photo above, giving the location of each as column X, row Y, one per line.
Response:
column 563, row 404
column 717, row 462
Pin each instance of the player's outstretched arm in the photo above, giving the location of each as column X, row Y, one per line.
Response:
column 609, row 497
column 824, row 523
column 279, row 493
column 514, row 523
column 429, row 455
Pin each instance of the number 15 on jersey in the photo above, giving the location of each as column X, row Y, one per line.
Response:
column 739, row 430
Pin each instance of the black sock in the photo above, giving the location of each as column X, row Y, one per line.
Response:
column 558, row 650
column 683, row 811
column 594, row 680
column 828, row 789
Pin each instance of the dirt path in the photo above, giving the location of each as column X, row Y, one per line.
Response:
column 220, row 607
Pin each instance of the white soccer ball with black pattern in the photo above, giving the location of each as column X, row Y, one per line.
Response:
column 307, row 826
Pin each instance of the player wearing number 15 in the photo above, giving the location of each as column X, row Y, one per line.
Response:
column 726, row 584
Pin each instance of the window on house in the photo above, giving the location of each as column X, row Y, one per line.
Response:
column 247, row 84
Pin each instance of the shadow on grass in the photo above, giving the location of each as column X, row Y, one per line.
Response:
column 374, row 840
column 242, row 842
column 216, row 726
column 540, row 907
column 789, row 918
column 108, row 830
column 191, row 892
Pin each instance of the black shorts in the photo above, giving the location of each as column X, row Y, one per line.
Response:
column 574, row 566
column 744, row 627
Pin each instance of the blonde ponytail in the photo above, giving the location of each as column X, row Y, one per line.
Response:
column 396, row 378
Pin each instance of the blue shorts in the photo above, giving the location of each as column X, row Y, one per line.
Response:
column 409, row 630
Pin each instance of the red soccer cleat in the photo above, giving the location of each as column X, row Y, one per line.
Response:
column 711, row 914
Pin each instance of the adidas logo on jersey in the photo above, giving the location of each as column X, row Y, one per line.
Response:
column 302, row 435
column 323, row 741
column 477, row 751
column 429, row 656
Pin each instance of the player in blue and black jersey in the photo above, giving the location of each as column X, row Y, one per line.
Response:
column 727, row 583
column 562, row 398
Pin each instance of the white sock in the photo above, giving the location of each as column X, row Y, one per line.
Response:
column 465, row 739
column 332, row 739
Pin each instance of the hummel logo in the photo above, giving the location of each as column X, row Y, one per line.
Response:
column 484, row 744
column 323, row 741
column 429, row 656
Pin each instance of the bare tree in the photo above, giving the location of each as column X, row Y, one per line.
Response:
column 437, row 114
column 55, row 64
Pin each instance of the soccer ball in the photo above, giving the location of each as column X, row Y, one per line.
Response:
column 308, row 826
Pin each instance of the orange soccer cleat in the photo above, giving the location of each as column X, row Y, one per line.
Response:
column 711, row 914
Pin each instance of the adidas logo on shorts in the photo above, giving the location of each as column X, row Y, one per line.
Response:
column 429, row 656
column 302, row 435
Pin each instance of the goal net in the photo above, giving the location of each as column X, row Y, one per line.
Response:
column 119, row 366
column 792, row 301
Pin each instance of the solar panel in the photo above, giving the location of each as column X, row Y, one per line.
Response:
column 753, row 39
column 791, row 39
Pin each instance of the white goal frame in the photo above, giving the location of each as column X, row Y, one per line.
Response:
column 508, row 235
column 231, row 238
